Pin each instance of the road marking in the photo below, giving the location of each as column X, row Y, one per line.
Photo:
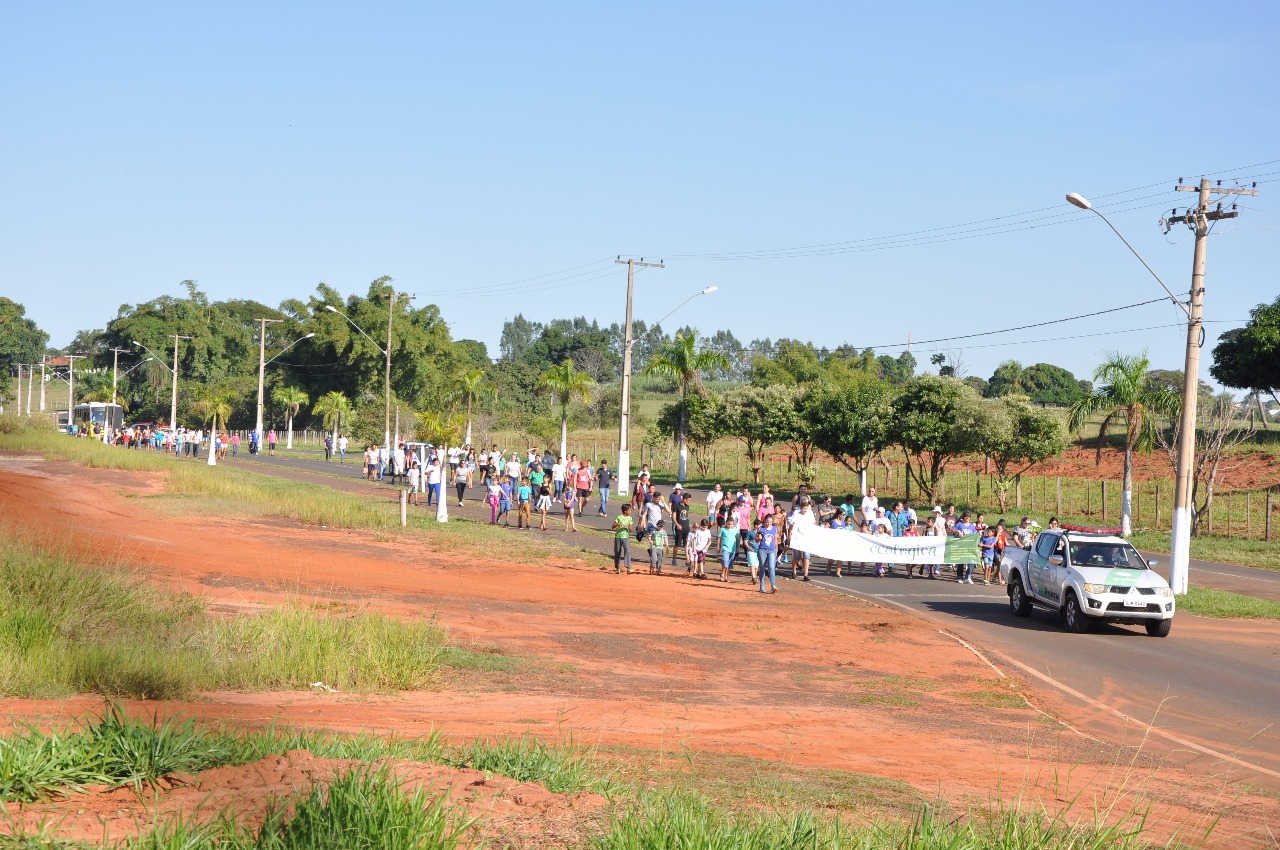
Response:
column 1067, row 689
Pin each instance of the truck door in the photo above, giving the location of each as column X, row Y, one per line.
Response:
column 1040, row 569
column 1054, row 573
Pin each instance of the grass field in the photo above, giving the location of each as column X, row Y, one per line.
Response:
column 66, row 628
column 367, row 807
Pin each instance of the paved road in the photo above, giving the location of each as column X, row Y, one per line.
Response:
column 1211, row 684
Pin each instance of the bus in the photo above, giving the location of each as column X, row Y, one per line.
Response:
column 99, row 413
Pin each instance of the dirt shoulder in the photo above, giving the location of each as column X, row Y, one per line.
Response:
column 661, row 665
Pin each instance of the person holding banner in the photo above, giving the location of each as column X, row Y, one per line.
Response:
column 803, row 515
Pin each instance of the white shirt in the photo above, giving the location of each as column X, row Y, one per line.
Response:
column 413, row 477
column 883, row 522
column 342, row 444
column 453, row 455
column 513, row 469
column 799, row 517
column 557, row 472
column 713, row 501
column 701, row 539
column 869, row 505
column 433, row 473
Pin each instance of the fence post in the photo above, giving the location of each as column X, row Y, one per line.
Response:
column 1248, row 511
column 1270, row 498
column 1018, row 491
column 1157, row 506
column 1104, row 500
column 404, row 507
column 1231, row 501
column 1059, row 510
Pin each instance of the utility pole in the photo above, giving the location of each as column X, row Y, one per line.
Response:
column 262, row 369
column 71, row 387
column 1199, row 220
column 173, row 406
column 43, row 358
column 17, row 396
column 623, row 468
column 31, row 374
column 115, row 379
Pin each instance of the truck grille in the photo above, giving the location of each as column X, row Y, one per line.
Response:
column 1120, row 606
column 1145, row 591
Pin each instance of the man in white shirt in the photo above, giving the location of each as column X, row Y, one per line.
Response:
column 557, row 477
column 882, row 521
column 869, row 505
column 433, row 479
column 802, row 515
column 713, row 500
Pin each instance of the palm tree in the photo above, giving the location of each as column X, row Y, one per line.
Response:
column 440, row 429
column 469, row 386
column 332, row 407
column 680, row 359
column 214, row 404
column 1123, row 395
column 291, row 399
column 566, row 384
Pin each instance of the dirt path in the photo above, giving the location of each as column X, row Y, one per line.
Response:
column 657, row 663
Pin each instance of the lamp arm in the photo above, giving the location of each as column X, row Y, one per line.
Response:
column 1172, row 297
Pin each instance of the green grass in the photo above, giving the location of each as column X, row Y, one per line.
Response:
column 1246, row 553
column 66, row 628
column 1220, row 603
column 560, row 768
column 231, row 490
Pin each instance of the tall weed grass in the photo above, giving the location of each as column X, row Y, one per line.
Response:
column 69, row 629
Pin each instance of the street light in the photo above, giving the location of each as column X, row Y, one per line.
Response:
column 262, row 367
column 386, row 352
column 624, row 453
column 173, row 407
column 1180, row 549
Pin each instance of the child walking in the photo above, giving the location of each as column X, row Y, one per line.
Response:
column 752, row 544
column 657, row 542
column 622, row 539
column 701, row 542
column 569, row 497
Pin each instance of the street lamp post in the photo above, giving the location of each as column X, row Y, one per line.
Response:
column 1181, row 544
column 386, row 353
column 71, row 387
column 262, row 368
column 624, row 454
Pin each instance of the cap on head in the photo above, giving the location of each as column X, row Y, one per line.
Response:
column 937, row 509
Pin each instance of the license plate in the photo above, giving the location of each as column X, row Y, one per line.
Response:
column 1135, row 602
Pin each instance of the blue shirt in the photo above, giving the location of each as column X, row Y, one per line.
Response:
column 899, row 522
column 768, row 539
column 966, row 528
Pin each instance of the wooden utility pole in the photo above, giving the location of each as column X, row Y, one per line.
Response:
column 1200, row 220
column 623, row 469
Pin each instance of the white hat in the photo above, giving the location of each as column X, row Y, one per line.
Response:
column 1035, row 524
column 678, row 486
column 937, row 509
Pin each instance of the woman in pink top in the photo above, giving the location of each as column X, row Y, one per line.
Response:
column 765, row 505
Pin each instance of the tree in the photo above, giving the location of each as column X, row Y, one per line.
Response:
column 727, row 344
column 21, row 341
column 1016, row 437
column 700, row 418
column 1248, row 358
column 1216, row 435
column 566, row 384
column 440, row 429
column 897, row 370
column 935, row 419
column 214, row 403
column 1045, row 383
column 469, row 384
column 851, row 422
column 1123, row 397
column 517, row 335
column 758, row 417
column 291, row 399
column 789, row 362
column 1006, row 380
column 332, row 408
column 681, row 360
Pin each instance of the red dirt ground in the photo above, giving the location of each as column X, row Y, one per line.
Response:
column 804, row 678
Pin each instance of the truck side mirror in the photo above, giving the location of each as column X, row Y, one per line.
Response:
column 1055, row 560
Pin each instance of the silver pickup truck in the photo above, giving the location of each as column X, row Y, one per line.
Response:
column 1087, row 578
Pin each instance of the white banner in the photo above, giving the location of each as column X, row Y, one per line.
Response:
column 843, row 545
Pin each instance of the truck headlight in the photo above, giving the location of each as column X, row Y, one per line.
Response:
column 1164, row 591
column 1095, row 588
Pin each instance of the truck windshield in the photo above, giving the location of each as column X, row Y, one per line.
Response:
column 1106, row 555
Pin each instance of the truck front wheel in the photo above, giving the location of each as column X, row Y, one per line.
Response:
column 1159, row 628
column 1073, row 619
column 1019, row 604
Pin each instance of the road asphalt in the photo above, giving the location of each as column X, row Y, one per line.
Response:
column 1210, row 691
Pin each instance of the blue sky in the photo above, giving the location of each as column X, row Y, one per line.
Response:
column 474, row 151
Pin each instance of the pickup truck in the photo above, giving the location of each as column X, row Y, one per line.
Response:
column 1087, row 578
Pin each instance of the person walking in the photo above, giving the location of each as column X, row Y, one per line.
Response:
column 462, row 479
column 622, row 540
column 343, row 442
column 235, row 444
column 271, row 441
column 604, row 479
column 767, row 550
column 544, row 502
column 433, row 480
column 524, row 498
column 328, row 448
column 569, row 498
column 657, row 542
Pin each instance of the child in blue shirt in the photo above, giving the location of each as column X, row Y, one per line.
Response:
column 987, row 546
